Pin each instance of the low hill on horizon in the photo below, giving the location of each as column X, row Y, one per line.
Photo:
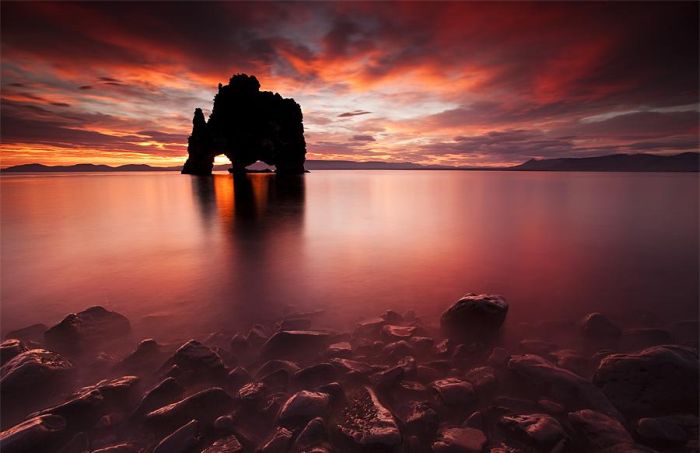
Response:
column 684, row 162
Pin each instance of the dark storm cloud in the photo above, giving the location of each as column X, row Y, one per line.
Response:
column 510, row 79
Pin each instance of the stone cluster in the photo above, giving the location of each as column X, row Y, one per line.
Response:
column 394, row 383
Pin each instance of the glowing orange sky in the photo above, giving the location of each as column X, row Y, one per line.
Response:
column 440, row 83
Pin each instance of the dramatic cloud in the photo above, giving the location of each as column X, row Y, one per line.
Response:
column 456, row 83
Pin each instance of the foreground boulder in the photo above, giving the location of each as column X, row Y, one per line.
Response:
column 196, row 362
column 288, row 344
column 89, row 403
column 542, row 430
column 367, row 424
column 569, row 388
column 204, row 407
column 37, row 434
column 597, row 326
column 9, row 349
column 475, row 317
column 599, row 431
column 656, row 381
column 87, row 330
column 303, row 406
column 182, row 440
column 460, row 440
column 34, row 370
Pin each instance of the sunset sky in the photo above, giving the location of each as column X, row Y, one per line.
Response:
column 433, row 83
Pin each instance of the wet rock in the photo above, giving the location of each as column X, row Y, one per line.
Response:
column 315, row 375
column 443, row 348
column 278, row 442
column 225, row 424
column 342, row 350
column 369, row 328
column 166, row 392
column 661, row 431
column 464, row 353
column 540, row 429
column 36, row 434
column 367, row 424
column 204, row 406
column 29, row 334
column 253, row 392
column 597, row 326
column 303, row 406
column 454, row 392
column 428, row 373
column 421, row 419
column 563, row 385
column 387, row 378
column 512, row 404
column 237, row 378
column 422, row 345
column 197, row 363
column 571, row 360
column 33, row 370
column 475, row 317
column 238, row 344
column 656, row 381
column 483, row 379
column 539, row 347
column 598, row 430
column 392, row 317
column 395, row 333
column 88, row 404
column 352, row 368
column 256, row 336
column 314, row 434
column 277, row 380
column 146, row 357
column 275, row 365
column 86, row 330
column 294, row 343
column 182, row 440
column 397, row 349
column 499, row 357
column 9, row 349
column 228, row 444
column 367, row 348
column 460, row 440
column 335, row 392
column 475, row 420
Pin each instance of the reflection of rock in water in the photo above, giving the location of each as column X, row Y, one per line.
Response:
column 258, row 218
column 254, row 203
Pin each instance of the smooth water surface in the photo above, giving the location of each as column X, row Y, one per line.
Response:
column 184, row 255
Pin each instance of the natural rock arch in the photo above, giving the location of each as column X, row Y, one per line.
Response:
column 247, row 125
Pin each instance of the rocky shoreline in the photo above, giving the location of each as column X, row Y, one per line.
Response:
column 394, row 383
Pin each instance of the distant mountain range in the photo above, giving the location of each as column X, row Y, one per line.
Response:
column 685, row 162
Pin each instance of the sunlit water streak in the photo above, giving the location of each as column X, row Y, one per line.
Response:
column 183, row 255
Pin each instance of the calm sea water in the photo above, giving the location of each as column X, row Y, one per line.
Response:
column 184, row 255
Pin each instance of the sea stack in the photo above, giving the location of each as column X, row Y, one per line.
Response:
column 247, row 125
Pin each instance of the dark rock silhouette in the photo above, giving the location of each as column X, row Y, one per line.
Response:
column 247, row 125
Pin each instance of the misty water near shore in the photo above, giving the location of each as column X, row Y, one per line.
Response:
column 182, row 256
